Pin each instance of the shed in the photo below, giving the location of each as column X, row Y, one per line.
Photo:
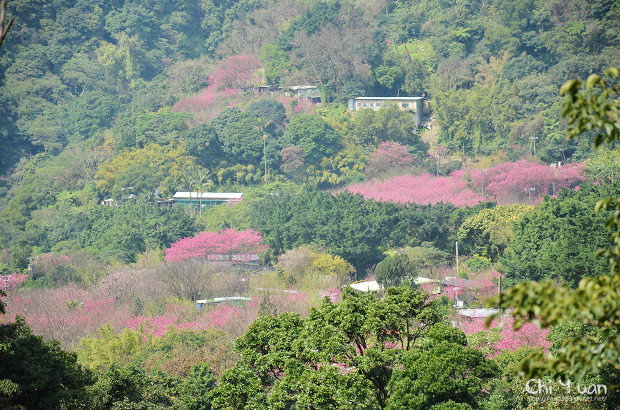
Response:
column 202, row 199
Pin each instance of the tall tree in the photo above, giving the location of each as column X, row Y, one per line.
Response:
column 589, row 105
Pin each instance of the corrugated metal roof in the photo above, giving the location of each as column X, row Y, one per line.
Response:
column 389, row 98
column 481, row 312
column 207, row 195
column 368, row 286
column 303, row 87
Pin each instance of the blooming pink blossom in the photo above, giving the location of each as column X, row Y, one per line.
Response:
column 507, row 183
column 524, row 181
column 423, row 189
column 234, row 72
column 196, row 103
column 9, row 283
column 226, row 245
column 528, row 335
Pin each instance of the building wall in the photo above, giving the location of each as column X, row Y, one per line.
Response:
column 415, row 105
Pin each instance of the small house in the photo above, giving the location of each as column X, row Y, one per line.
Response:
column 310, row 92
column 412, row 104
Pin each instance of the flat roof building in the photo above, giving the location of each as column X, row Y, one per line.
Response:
column 413, row 104
column 202, row 199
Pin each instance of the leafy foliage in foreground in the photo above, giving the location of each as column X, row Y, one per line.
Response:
column 363, row 352
column 595, row 302
column 38, row 374
column 559, row 239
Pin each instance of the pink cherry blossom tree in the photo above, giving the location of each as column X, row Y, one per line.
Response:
column 236, row 71
column 9, row 283
column 423, row 189
column 502, row 337
column 388, row 156
column 524, row 181
column 46, row 262
column 226, row 245
column 230, row 76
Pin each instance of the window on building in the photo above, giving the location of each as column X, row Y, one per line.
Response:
column 405, row 105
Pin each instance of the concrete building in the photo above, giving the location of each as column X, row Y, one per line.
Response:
column 310, row 92
column 413, row 104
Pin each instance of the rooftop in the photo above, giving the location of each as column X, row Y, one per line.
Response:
column 207, row 195
column 390, row 98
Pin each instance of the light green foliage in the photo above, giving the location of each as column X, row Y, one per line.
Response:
column 393, row 270
column 240, row 175
column 596, row 107
column 604, row 165
column 388, row 76
column 417, row 78
column 275, row 61
column 345, row 167
column 173, row 369
column 476, row 120
column 145, row 170
column 389, row 123
column 338, row 116
column 311, row 269
column 122, row 60
column 110, row 348
column 416, row 49
column 489, row 231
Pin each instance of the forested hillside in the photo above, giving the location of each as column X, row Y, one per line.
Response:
column 133, row 101
column 99, row 97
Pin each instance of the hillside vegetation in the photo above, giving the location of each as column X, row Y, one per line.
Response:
column 133, row 101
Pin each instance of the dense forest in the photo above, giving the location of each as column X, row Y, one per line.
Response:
column 133, row 101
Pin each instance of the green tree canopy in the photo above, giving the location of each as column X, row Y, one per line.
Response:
column 389, row 123
column 595, row 300
column 393, row 270
column 314, row 135
column 559, row 240
column 362, row 352
column 38, row 374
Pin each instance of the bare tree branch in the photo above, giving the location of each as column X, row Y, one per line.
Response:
column 4, row 30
